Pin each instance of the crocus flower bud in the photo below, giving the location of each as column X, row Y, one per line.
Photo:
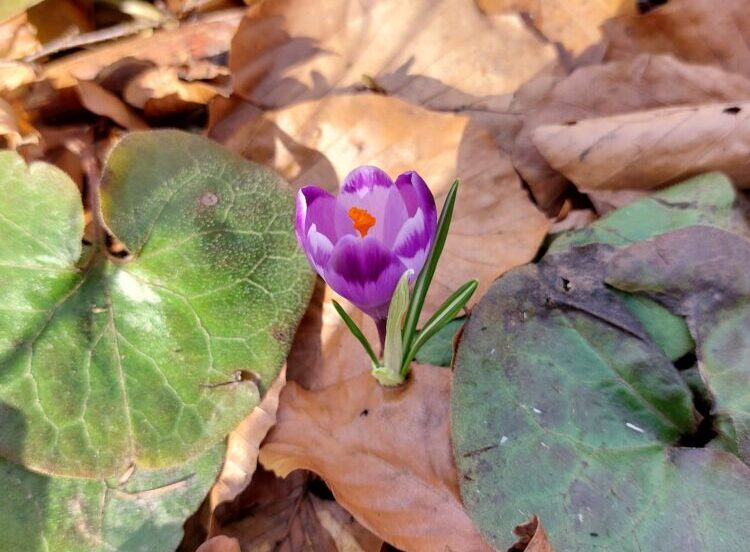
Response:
column 364, row 240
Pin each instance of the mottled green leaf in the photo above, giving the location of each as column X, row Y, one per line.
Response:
column 702, row 273
column 144, row 514
column 115, row 362
column 705, row 199
column 563, row 407
column 438, row 350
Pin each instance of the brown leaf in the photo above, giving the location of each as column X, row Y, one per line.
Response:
column 243, row 445
column 160, row 91
column 102, row 102
column 495, row 226
column 57, row 145
column 439, row 53
column 650, row 149
column 385, row 453
column 531, row 537
column 284, row 515
column 17, row 38
column 204, row 38
column 645, row 82
column 574, row 24
column 10, row 130
column 220, row 544
column 711, row 32
column 61, row 18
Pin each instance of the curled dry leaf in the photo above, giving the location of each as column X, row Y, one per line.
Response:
column 287, row 515
column 646, row 82
column 17, row 38
column 531, row 537
column 646, row 150
column 495, row 225
column 101, row 101
column 384, row 453
column 710, row 32
column 574, row 24
column 204, row 38
column 9, row 128
column 161, row 91
column 444, row 54
column 243, row 445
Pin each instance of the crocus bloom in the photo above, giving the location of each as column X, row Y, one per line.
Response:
column 362, row 241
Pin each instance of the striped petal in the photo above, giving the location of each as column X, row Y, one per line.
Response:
column 318, row 249
column 364, row 179
column 417, row 195
column 364, row 272
column 413, row 242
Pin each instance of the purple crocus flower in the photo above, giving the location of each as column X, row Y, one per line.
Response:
column 362, row 241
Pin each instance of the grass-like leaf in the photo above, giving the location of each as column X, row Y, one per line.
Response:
column 425, row 277
column 352, row 325
column 443, row 315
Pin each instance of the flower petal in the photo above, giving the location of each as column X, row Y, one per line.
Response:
column 318, row 249
column 371, row 189
column 363, row 179
column 317, row 206
column 413, row 243
column 364, row 272
column 416, row 196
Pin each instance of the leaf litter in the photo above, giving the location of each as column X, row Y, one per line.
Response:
column 548, row 120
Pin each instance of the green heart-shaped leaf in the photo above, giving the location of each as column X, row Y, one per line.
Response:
column 563, row 407
column 704, row 199
column 116, row 362
column 60, row 514
column 702, row 273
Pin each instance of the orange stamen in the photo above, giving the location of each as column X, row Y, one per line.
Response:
column 362, row 220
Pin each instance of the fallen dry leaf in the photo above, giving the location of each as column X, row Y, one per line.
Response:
column 160, row 91
column 17, row 38
column 220, row 544
column 711, row 32
column 243, row 445
column 285, row 515
column 385, row 453
column 444, row 54
column 61, row 18
column 645, row 82
column 101, row 101
column 495, row 225
column 650, row 149
column 10, row 131
column 531, row 537
column 574, row 24
column 205, row 38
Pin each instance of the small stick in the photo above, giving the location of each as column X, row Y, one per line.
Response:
column 94, row 37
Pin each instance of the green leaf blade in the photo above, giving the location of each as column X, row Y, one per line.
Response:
column 115, row 363
column 561, row 406
column 442, row 316
column 424, row 279
column 357, row 332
